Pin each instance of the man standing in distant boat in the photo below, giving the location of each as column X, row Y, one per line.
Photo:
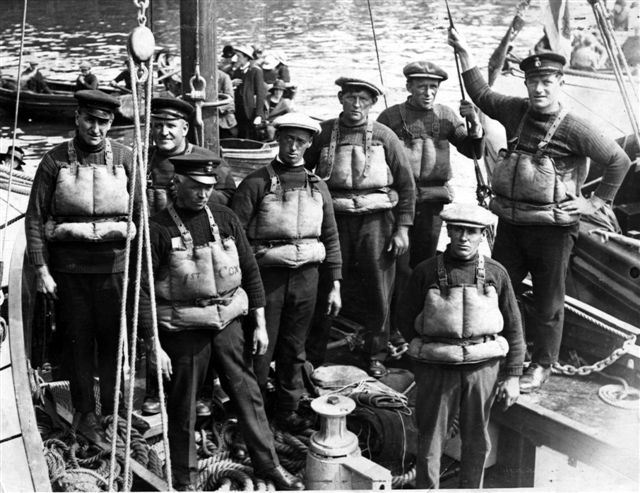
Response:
column 287, row 213
column 373, row 192
column 76, row 229
column 206, row 280
column 461, row 316
column 250, row 93
column 169, row 128
column 427, row 129
column 537, row 190
column 33, row 80
column 86, row 80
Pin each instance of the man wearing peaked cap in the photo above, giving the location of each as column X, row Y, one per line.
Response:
column 427, row 130
column 460, row 313
column 539, row 208
column 369, row 177
column 206, row 281
column 292, row 245
column 76, row 233
column 249, row 93
column 169, row 128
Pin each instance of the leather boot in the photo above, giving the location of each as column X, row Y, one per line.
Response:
column 283, row 479
column 292, row 421
column 534, row 377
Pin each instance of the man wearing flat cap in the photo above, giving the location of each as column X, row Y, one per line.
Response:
column 86, row 80
column 366, row 168
column 427, row 129
column 250, row 92
column 461, row 316
column 206, row 280
column 536, row 184
column 76, row 229
column 287, row 213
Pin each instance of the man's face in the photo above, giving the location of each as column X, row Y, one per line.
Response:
column 544, row 91
column 85, row 70
column 423, row 92
column 192, row 194
column 465, row 240
column 169, row 135
column 241, row 58
column 355, row 106
column 292, row 142
column 92, row 130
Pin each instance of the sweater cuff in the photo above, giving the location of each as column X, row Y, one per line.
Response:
column 512, row 371
column 404, row 219
column 37, row 258
column 606, row 192
column 256, row 301
column 334, row 272
column 472, row 75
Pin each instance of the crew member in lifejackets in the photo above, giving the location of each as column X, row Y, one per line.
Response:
column 373, row 193
column 169, row 128
column 461, row 316
column 76, row 229
column 206, row 280
column 287, row 213
column 427, row 129
column 537, row 183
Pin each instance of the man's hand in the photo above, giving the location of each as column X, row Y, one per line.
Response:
column 469, row 113
column 399, row 243
column 45, row 282
column 163, row 359
column 334, row 300
column 459, row 44
column 260, row 336
column 257, row 120
column 580, row 205
column 508, row 391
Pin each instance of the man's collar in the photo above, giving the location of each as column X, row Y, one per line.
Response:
column 299, row 163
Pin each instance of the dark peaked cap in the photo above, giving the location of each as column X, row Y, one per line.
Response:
column 543, row 63
column 97, row 103
column 199, row 166
column 170, row 109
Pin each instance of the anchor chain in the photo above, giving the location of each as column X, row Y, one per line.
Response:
column 598, row 366
column 142, row 6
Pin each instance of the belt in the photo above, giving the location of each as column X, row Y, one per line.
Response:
column 461, row 341
column 204, row 302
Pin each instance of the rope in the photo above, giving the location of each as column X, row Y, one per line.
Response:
column 375, row 43
column 15, row 128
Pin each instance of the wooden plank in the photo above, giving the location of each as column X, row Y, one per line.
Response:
column 138, row 469
column 14, row 464
column 5, row 352
column 9, row 419
column 516, row 459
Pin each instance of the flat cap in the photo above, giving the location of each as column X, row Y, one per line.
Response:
column 85, row 65
column 297, row 120
column 470, row 215
column 245, row 50
column 170, row 109
column 423, row 69
column 199, row 166
column 97, row 103
column 350, row 82
column 543, row 63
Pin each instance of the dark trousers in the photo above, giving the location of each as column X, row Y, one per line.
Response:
column 190, row 351
column 444, row 392
column 291, row 299
column 88, row 310
column 543, row 251
column 320, row 331
column 368, row 272
column 423, row 243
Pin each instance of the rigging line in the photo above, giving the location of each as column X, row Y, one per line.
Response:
column 375, row 42
column 15, row 128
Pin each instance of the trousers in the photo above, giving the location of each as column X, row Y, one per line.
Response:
column 88, row 311
column 190, row 351
column 291, row 299
column 543, row 251
column 442, row 393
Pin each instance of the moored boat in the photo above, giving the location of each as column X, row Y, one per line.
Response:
column 245, row 155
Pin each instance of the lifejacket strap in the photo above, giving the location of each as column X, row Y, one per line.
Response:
column 73, row 156
column 442, row 273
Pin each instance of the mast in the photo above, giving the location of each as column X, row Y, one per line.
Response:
column 199, row 54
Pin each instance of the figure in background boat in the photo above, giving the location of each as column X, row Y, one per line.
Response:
column 14, row 157
column 536, row 184
column 249, row 93
column 365, row 166
column 426, row 130
column 288, row 216
column 86, row 79
column 462, row 318
column 200, row 311
column 76, row 231
column 277, row 105
column 32, row 79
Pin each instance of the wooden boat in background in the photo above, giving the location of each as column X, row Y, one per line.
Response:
column 245, row 155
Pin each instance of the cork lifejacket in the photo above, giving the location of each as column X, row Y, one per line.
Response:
column 459, row 324
column 158, row 185
column 359, row 178
column 202, row 288
column 529, row 187
column 430, row 160
column 285, row 230
column 90, row 202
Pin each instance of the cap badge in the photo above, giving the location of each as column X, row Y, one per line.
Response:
column 208, row 168
column 537, row 63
